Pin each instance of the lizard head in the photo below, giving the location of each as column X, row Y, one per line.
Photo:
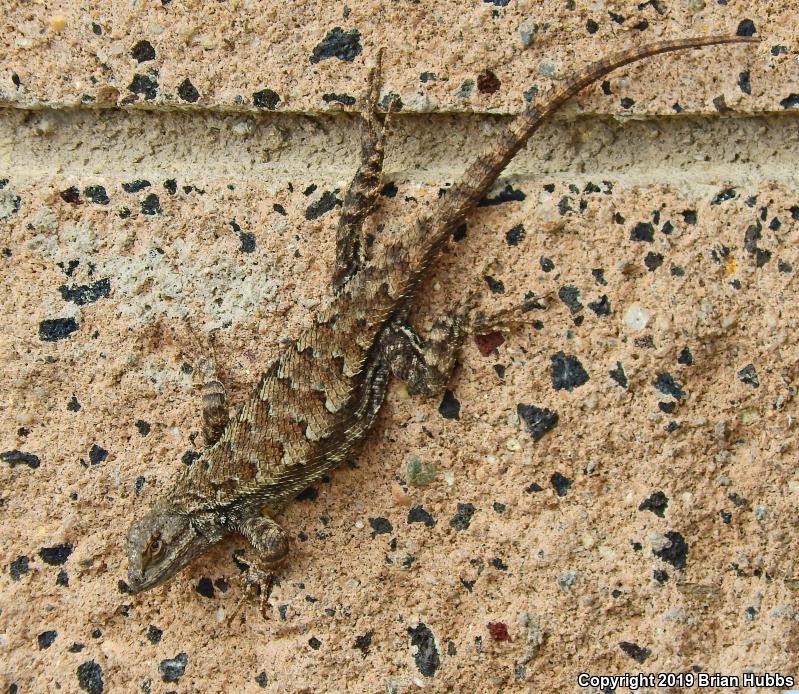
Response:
column 159, row 545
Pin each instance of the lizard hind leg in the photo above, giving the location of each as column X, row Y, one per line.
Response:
column 362, row 194
column 425, row 365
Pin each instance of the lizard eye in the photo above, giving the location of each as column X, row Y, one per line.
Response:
column 155, row 547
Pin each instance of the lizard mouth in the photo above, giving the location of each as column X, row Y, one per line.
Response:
column 138, row 583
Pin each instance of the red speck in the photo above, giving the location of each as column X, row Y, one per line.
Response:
column 488, row 343
column 499, row 631
column 487, row 82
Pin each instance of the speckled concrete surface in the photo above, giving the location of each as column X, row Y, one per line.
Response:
column 611, row 489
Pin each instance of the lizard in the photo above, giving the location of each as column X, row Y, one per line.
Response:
column 320, row 397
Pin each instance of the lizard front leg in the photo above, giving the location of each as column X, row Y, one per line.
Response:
column 361, row 196
column 214, row 399
column 269, row 545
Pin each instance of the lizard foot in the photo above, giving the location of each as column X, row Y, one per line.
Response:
column 255, row 582
column 507, row 319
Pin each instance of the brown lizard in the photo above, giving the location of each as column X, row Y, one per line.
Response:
column 320, row 397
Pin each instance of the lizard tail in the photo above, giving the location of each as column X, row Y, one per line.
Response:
column 451, row 210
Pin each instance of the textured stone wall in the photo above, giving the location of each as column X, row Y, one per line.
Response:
column 612, row 488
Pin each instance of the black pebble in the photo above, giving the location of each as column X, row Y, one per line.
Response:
column 344, row 99
column 46, row 639
column 561, row 483
column 145, row 86
column 599, row 276
column 570, row 296
column 18, row 568
column 665, row 383
column 97, row 454
column 653, row 261
column 515, row 235
column 689, row 216
column 55, row 556
column 188, row 92
column 601, row 307
column 82, row 294
column 567, row 372
column 172, row 669
column 496, row 286
column 143, row 51
column 151, row 205
column 247, row 239
column 54, row 329
column 380, row 526
column 748, row 375
column 685, row 358
column 344, row 44
column 135, row 186
column 746, row 27
column 498, row 564
column 743, row 82
column 325, row 203
column 417, row 514
column 660, row 576
column 205, row 587
column 96, row 194
column 643, row 231
column 537, row 420
column 190, row 457
column 266, row 98
column 636, row 652
column 463, row 518
column 426, row 657
column 142, row 427
column 657, row 502
column 676, row 553
column 90, row 677
column 363, row 641
column 450, row 407
column 618, row 375
column 17, row 457
column 507, row 194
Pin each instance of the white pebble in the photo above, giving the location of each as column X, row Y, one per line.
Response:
column 636, row 317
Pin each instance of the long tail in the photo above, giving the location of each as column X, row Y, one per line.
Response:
column 450, row 211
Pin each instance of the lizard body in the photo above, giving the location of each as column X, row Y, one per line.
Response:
column 320, row 397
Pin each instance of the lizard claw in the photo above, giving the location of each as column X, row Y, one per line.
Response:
column 506, row 319
column 255, row 581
